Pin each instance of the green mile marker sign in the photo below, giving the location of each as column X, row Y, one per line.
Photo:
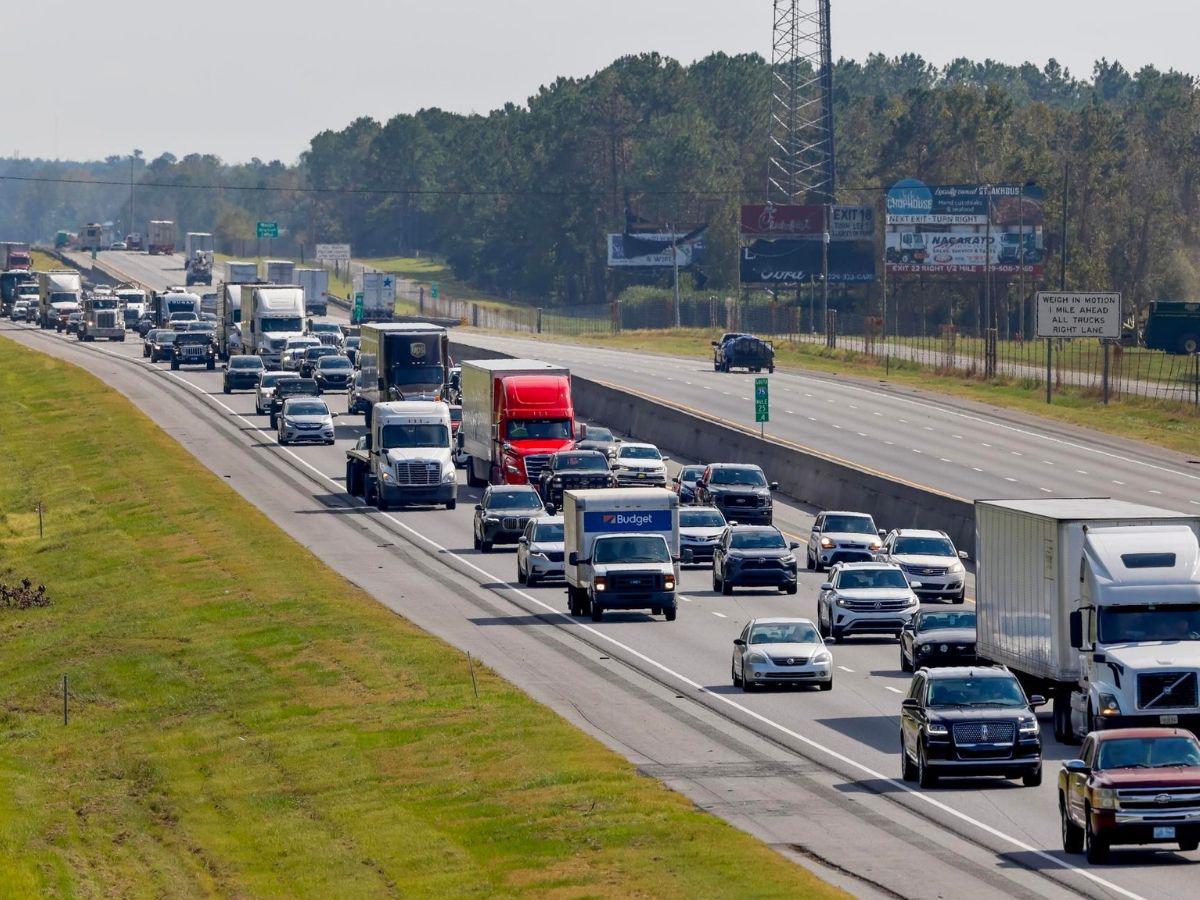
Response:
column 762, row 401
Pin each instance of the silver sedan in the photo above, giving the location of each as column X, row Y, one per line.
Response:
column 781, row 651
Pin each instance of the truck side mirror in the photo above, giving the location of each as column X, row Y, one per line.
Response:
column 738, row 642
column 1077, row 629
column 1077, row 767
column 573, row 559
column 962, row 554
column 1036, row 700
column 714, row 343
column 774, row 485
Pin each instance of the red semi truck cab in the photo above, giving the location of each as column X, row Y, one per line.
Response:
column 516, row 412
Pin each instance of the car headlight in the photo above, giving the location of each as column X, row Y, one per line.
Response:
column 491, row 520
column 1030, row 725
column 1105, row 798
column 826, row 544
column 1109, row 705
column 289, row 422
column 822, row 656
column 758, row 657
column 668, row 583
column 841, row 601
column 875, row 546
column 924, row 648
column 956, row 568
column 789, row 560
column 386, row 475
column 936, row 728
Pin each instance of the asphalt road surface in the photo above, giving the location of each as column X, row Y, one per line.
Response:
column 814, row 774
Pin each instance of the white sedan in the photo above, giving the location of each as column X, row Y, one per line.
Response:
column 781, row 651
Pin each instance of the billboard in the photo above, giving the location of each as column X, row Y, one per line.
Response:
column 689, row 252
column 772, row 220
column 799, row 262
column 964, row 229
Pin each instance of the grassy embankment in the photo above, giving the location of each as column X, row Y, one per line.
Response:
column 246, row 722
column 44, row 261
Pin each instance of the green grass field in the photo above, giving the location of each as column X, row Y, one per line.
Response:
column 245, row 722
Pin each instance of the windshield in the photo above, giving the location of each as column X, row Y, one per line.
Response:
column 738, row 476
column 784, row 633
column 850, row 525
column 326, row 326
column 334, row 362
column 245, row 362
column 513, row 500
column 68, row 297
column 417, row 374
column 586, row 462
column 1123, row 624
column 307, row 408
column 318, row 352
column 990, row 691
column 539, row 429
column 165, row 337
column 628, row 452
column 701, row 518
column 405, row 435
column 757, row 540
column 860, row 579
column 931, row 620
column 550, row 533
column 595, row 433
column 302, row 344
column 192, row 337
column 690, row 474
column 456, row 414
column 270, row 379
column 353, row 342
column 649, row 548
column 296, row 386
column 183, row 317
column 924, row 546
column 275, row 326
column 1148, row 753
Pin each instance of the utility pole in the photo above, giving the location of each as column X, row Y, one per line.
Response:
column 131, row 162
column 1062, row 262
column 825, row 269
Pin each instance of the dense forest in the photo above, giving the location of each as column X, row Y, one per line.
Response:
column 519, row 200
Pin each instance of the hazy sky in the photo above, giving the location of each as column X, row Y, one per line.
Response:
column 260, row 77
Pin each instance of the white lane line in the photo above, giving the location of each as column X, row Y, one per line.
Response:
column 877, row 414
column 927, row 428
column 985, row 443
column 1118, row 482
column 844, row 669
column 1153, row 492
column 1006, row 478
column 685, row 599
column 790, row 412
column 745, row 398
column 893, row 690
column 1046, row 462
column 720, row 615
column 687, row 383
column 943, row 459
column 1194, row 502
column 838, row 427
column 915, row 450
column 957, row 437
column 807, row 394
column 1016, row 452
column 905, row 421
column 1081, row 472
column 976, row 468
column 1047, row 490
column 896, row 786
column 890, row 443
column 861, row 433
column 726, row 393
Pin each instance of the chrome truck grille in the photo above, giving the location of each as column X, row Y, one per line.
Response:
column 418, row 474
column 534, row 465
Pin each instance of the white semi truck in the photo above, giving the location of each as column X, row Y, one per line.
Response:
column 59, row 290
column 241, row 272
column 315, row 283
column 198, row 251
column 405, row 457
column 622, row 550
column 270, row 314
column 1096, row 603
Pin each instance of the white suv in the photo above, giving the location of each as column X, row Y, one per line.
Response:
column 930, row 558
column 838, row 536
column 865, row 598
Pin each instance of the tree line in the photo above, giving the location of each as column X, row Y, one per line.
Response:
column 518, row 200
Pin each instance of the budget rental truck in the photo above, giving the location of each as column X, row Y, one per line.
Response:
column 1095, row 603
column 622, row 550
column 516, row 412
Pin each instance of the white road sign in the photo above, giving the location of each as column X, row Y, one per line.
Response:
column 333, row 253
column 1078, row 315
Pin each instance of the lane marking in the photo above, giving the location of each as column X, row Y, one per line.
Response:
column 1081, row 472
column 891, row 783
column 844, row 669
column 1154, row 492
column 1006, row 478
column 1016, row 452
column 1118, row 482
column 1046, row 462
column 893, row 690
column 720, row 615
column 1047, row 490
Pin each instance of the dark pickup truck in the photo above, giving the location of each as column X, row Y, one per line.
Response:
column 743, row 351
column 573, row 470
column 1131, row 786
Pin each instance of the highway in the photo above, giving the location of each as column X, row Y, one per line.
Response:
column 814, row 774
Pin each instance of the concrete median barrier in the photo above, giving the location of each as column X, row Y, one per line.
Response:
column 808, row 476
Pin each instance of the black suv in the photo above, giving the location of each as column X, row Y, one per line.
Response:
column 741, row 492
column 754, row 556
column 242, row 373
column 290, row 387
column 937, row 638
column 969, row 720
column 161, row 343
column 743, row 351
column 573, row 470
column 333, row 373
column 503, row 513
column 308, row 364
column 193, row 348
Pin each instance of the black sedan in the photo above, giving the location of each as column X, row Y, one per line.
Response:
column 754, row 556
column 936, row 638
column 242, row 373
column 333, row 373
column 596, row 437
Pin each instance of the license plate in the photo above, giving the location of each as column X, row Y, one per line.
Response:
column 641, row 474
column 1164, row 832
column 1168, row 720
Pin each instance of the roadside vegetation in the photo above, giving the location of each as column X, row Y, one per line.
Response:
column 243, row 721
column 1175, row 426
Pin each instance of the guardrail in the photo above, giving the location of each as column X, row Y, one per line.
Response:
column 807, row 475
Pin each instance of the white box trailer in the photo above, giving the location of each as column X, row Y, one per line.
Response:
column 315, row 283
column 1077, row 596
column 160, row 237
column 241, row 272
column 279, row 271
column 621, row 549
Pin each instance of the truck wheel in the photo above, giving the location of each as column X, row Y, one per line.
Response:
column 1032, row 779
column 531, row 579
column 1189, row 343
column 174, row 366
column 226, row 389
column 381, row 502
column 959, row 597
column 1095, row 846
column 597, row 611
column 350, row 487
column 671, row 612
column 1072, row 834
column 450, row 504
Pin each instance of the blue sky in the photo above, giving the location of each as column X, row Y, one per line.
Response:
column 259, row 78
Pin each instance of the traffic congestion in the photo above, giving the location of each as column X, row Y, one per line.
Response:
column 1088, row 607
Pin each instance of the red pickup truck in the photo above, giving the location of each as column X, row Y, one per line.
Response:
column 1131, row 786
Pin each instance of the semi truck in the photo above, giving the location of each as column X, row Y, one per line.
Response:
column 59, row 290
column 516, row 412
column 175, row 301
column 10, row 281
column 229, row 319
column 621, row 550
column 406, row 456
column 91, row 237
column 270, row 314
column 379, row 295
column 240, row 272
column 15, row 255
column 101, row 318
column 160, row 237
column 279, row 271
column 198, row 257
column 315, row 283
column 402, row 361
column 133, row 303
column 1094, row 603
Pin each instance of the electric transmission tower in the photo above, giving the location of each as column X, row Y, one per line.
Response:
column 801, row 167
